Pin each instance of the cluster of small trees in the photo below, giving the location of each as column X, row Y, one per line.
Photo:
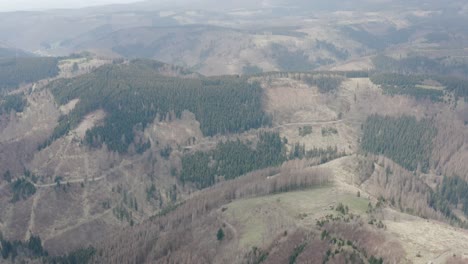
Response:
column 325, row 83
column 33, row 251
column 298, row 151
column 13, row 249
column 304, row 131
column 22, row 189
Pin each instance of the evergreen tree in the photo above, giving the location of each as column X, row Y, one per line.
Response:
column 220, row 234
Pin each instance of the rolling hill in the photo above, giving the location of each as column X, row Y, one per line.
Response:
column 254, row 132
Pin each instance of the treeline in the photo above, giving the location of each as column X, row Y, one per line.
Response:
column 304, row 74
column 30, row 249
column 408, row 65
column 79, row 256
column 325, row 83
column 299, row 151
column 394, row 83
column 135, row 93
column 459, row 87
column 15, row 71
column 405, row 140
column 397, row 79
column 251, row 70
column 232, row 159
column 414, row 68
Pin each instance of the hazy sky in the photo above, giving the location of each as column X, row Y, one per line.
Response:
column 13, row 5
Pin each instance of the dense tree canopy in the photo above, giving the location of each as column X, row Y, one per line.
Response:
column 13, row 53
column 394, row 83
column 232, row 159
column 410, row 71
column 15, row 71
column 22, row 189
column 405, row 140
column 13, row 249
column 455, row 191
column 136, row 93
column 14, row 102
column 325, row 83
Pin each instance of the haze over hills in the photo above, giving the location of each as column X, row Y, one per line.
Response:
column 243, row 132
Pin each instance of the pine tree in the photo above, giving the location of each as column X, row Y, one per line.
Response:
column 220, row 234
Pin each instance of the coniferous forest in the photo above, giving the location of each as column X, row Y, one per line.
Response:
column 455, row 191
column 14, row 102
column 402, row 76
column 15, row 71
column 136, row 93
column 393, row 83
column 405, row 140
column 232, row 159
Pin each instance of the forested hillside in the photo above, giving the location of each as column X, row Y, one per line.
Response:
column 136, row 93
column 394, row 83
column 15, row 71
column 404, row 75
column 232, row 159
column 13, row 53
column 455, row 191
column 405, row 140
column 12, row 102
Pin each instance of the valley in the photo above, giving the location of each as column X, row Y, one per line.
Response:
column 264, row 134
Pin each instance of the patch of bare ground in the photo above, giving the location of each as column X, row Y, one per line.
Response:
column 89, row 121
column 23, row 132
column 177, row 132
column 294, row 105
column 67, row 108
column 290, row 101
column 423, row 241
column 89, row 233
column 427, row 241
column 17, row 217
column 368, row 99
column 83, row 65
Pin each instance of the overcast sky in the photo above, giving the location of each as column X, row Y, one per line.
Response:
column 15, row 5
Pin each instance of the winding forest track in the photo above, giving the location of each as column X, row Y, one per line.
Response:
column 312, row 123
column 72, row 181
